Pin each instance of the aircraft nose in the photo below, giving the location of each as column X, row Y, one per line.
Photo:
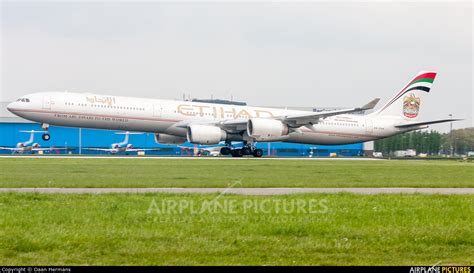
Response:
column 10, row 106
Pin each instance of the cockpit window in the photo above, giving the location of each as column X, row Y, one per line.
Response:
column 23, row 100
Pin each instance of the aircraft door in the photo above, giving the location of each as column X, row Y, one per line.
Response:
column 369, row 126
column 47, row 102
column 157, row 109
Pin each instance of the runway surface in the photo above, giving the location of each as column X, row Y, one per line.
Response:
column 247, row 191
column 186, row 157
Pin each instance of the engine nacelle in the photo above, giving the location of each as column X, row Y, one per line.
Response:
column 169, row 139
column 205, row 134
column 35, row 145
column 130, row 146
column 267, row 129
column 115, row 146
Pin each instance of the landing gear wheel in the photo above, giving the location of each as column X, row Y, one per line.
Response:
column 46, row 137
column 246, row 151
column 225, row 151
column 258, row 153
column 236, row 153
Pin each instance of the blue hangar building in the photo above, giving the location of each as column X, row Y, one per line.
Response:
column 76, row 140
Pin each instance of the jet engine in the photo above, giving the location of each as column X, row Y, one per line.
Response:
column 267, row 129
column 35, row 145
column 205, row 134
column 169, row 139
column 130, row 146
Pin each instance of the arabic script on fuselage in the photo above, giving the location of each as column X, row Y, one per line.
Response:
column 104, row 100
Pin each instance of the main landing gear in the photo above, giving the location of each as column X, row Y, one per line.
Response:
column 46, row 135
column 239, row 152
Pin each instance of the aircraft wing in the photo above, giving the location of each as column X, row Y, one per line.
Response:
column 9, row 148
column 146, row 149
column 296, row 120
column 99, row 149
column 312, row 118
column 51, row 149
column 417, row 124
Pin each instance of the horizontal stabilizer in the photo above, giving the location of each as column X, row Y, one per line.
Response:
column 416, row 124
column 314, row 117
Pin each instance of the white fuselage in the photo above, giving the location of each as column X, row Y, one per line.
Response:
column 164, row 116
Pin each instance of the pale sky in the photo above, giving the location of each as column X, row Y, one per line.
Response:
column 282, row 54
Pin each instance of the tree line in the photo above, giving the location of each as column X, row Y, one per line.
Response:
column 429, row 142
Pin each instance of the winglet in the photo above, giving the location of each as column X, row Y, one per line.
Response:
column 371, row 104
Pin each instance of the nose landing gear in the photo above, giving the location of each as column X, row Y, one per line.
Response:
column 46, row 135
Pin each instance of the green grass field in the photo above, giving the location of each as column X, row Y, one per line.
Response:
column 346, row 229
column 119, row 229
column 55, row 172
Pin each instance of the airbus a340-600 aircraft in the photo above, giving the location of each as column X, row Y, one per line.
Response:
column 174, row 122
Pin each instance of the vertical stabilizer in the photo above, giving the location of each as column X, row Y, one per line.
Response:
column 407, row 102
